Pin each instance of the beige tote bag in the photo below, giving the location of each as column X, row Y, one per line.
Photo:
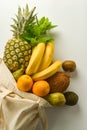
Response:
column 19, row 110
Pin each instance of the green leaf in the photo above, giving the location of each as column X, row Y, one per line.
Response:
column 45, row 39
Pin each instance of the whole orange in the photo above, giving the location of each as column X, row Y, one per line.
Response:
column 25, row 83
column 41, row 88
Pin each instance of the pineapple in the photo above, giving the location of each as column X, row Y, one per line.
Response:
column 17, row 51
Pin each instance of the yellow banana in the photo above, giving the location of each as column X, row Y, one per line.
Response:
column 46, row 73
column 47, row 57
column 35, row 59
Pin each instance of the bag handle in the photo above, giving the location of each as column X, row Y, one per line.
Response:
column 4, row 92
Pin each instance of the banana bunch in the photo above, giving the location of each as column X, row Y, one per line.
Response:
column 40, row 65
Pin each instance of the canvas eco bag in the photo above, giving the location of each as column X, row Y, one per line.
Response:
column 19, row 110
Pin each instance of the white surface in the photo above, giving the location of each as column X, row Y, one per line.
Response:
column 70, row 42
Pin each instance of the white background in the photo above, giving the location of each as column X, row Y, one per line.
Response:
column 70, row 43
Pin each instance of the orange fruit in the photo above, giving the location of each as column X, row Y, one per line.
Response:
column 41, row 88
column 25, row 83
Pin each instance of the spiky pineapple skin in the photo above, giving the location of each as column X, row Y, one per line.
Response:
column 17, row 54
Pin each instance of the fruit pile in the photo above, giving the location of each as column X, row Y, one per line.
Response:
column 29, row 55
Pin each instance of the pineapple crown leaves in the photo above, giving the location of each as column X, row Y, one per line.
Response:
column 29, row 28
column 22, row 18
